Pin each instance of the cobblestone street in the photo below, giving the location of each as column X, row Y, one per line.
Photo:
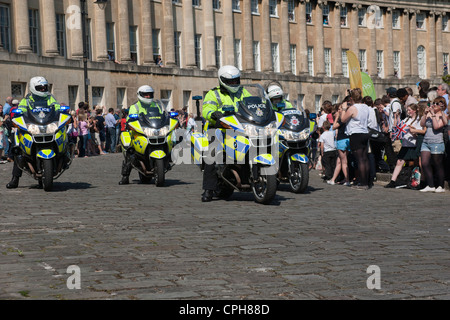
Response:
column 142, row 242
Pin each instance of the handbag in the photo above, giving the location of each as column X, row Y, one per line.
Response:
column 376, row 136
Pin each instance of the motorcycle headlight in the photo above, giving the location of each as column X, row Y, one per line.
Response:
column 52, row 127
column 252, row 130
column 33, row 129
column 149, row 132
column 291, row 135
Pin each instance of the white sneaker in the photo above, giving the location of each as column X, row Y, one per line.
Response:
column 331, row 182
column 439, row 189
column 428, row 189
column 347, row 184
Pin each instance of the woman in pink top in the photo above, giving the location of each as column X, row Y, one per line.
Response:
column 84, row 130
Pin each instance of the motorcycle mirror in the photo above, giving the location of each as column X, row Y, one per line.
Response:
column 174, row 114
column 281, row 105
column 64, row 109
column 17, row 112
column 134, row 116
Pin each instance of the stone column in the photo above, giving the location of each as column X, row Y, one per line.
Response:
column 248, row 36
column 337, row 48
column 20, row 17
column 73, row 27
column 209, row 35
column 406, row 57
column 168, row 34
column 228, row 33
column 123, row 32
column 319, row 61
column 285, row 50
column 439, row 45
column 100, row 34
column 266, row 42
column 188, row 34
column 432, row 45
column 146, row 33
column 302, row 52
column 355, row 28
column 372, row 63
column 389, row 54
column 48, row 32
column 413, row 34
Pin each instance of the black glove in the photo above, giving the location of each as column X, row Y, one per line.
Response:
column 216, row 115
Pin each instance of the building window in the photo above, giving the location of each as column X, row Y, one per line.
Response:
column 166, row 98
column 196, row 3
column 326, row 14
column 301, row 101
column 216, row 4
column 177, row 44
column 198, row 50
column 5, row 28
column 110, row 41
column 396, row 19
column 186, row 99
column 308, row 12
column 18, row 90
column 344, row 16
column 422, row 62
column 420, row 21
column 273, row 8
column 445, row 61
column 311, row 61
column 120, row 99
column 61, row 34
column 156, row 41
column 445, row 23
column 73, row 95
column 255, row 7
column 33, row 17
column 397, row 64
column 362, row 60
column 176, row 1
column 345, row 63
column 97, row 96
column 380, row 63
column 236, row 5
column 237, row 54
column 275, row 57
column 256, row 56
column 327, row 58
column 291, row 10
column 361, row 17
column 133, row 44
column 317, row 103
column 334, row 98
column 218, row 49
column 293, row 58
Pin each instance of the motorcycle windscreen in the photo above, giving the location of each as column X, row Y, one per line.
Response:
column 256, row 111
column 295, row 120
column 154, row 118
column 41, row 114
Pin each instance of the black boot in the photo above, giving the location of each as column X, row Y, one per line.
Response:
column 207, row 195
column 125, row 180
column 14, row 183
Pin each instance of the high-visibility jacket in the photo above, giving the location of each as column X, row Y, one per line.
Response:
column 28, row 103
column 216, row 99
column 139, row 108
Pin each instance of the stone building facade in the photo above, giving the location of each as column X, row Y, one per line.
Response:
column 299, row 43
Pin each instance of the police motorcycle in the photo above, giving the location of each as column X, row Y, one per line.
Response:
column 43, row 147
column 294, row 149
column 149, row 142
column 245, row 146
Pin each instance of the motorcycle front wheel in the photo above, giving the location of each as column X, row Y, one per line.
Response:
column 299, row 177
column 159, row 173
column 47, row 174
column 264, row 188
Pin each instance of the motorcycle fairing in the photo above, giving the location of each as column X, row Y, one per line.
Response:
column 125, row 139
column 158, row 154
column 264, row 159
column 46, row 154
column 25, row 141
column 20, row 122
column 300, row 157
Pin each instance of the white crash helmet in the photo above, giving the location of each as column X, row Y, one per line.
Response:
column 145, row 89
column 39, row 86
column 230, row 78
column 274, row 91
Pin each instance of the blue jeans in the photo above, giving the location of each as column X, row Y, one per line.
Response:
column 112, row 139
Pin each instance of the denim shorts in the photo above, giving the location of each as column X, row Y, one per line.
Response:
column 434, row 148
column 343, row 144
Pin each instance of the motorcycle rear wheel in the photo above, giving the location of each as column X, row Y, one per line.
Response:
column 265, row 189
column 47, row 174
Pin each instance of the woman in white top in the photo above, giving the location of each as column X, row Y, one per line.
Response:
column 409, row 141
column 357, row 118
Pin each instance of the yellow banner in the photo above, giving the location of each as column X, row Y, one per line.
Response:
column 354, row 70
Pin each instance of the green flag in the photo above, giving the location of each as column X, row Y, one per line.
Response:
column 367, row 86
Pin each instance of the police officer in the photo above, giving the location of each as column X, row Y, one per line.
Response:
column 39, row 95
column 145, row 102
column 227, row 94
column 276, row 96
